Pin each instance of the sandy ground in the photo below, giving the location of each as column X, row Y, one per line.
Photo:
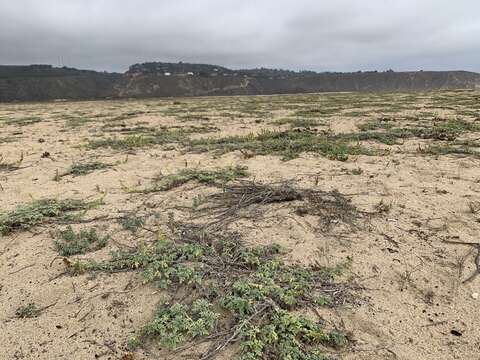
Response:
column 413, row 304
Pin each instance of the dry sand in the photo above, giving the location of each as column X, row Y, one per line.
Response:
column 412, row 301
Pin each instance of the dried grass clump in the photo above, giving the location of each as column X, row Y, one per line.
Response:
column 247, row 198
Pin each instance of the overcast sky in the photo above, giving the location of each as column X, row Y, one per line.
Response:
column 334, row 35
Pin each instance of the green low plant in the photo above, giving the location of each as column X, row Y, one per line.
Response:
column 448, row 129
column 28, row 311
column 174, row 324
column 286, row 336
column 126, row 143
column 290, row 144
column 318, row 111
column 382, row 123
column 357, row 171
column 449, row 149
column 297, row 122
column 26, row 216
column 24, row 121
column 259, row 302
column 161, row 137
column 80, row 169
column 71, row 243
column 74, row 121
column 216, row 177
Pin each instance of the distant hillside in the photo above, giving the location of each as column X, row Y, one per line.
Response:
column 44, row 82
column 156, row 79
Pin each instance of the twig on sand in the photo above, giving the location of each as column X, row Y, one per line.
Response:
column 22, row 268
column 477, row 258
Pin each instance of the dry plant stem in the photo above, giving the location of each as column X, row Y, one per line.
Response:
column 477, row 258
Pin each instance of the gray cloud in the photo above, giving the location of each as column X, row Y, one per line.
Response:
column 341, row 35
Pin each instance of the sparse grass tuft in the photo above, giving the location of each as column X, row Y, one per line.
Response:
column 162, row 137
column 297, row 122
column 216, row 177
column 383, row 208
column 70, row 243
column 355, row 113
column 127, row 143
column 131, row 223
column 24, row 121
column 76, row 121
column 474, row 207
column 28, row 311
column 441, row 129
column 80, row 169
column 5, row 140
column 455, row 125
column 449, row 149
column 318, row 111
column 288, row 144
column 382, row 123
column 356, row 171
column 26, row 216
column 138, row 141
column 10, row 166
